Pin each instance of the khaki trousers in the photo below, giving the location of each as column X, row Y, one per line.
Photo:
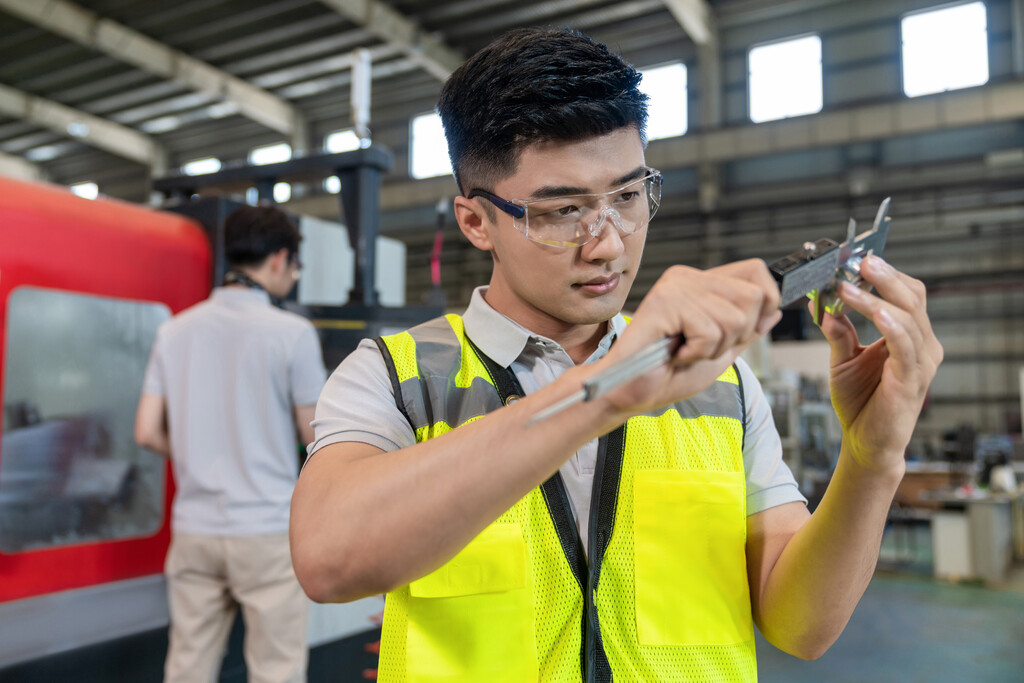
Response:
column 208, row 578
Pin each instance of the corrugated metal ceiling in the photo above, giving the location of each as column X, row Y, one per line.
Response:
column 296, row 49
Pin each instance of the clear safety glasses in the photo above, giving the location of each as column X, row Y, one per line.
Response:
column 574, row 220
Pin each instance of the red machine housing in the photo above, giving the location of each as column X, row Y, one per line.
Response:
column 53, row 239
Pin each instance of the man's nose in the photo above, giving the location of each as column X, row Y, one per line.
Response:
column 605, row 246
column 605, row 216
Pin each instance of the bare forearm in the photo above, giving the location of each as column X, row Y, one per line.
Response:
column 407, row 512
column 821, row 575
column 303, row 417
column 151, row 430
column 158, row 443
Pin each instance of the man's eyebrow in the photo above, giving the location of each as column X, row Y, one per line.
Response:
column 549, row 191
column 638, row 172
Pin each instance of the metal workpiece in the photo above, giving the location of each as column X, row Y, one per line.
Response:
column 850, row 255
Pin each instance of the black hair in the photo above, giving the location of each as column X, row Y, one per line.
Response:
column 534, row 85
column 252, row 233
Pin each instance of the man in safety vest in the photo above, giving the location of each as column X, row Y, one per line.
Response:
column 639, row 536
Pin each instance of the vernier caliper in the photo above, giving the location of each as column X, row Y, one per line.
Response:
column 815, row 270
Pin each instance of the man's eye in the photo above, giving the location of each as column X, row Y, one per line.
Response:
column 628, row 196
column 567, row 210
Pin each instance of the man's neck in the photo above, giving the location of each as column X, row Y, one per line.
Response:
column 581, row 343
column 237, row 277
column 579, row 340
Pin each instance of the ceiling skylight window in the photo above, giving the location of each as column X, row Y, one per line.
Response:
column 945, row 49
column 429, row 151
column 201, row 166
column 785, row 79
column 341, row 141
column 666, row 109
column 271, row 154
column 86, row 190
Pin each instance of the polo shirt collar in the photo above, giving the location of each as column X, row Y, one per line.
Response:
column 504, row 340
column 237, row 295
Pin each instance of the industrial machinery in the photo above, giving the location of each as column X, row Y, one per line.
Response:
column 84, row 512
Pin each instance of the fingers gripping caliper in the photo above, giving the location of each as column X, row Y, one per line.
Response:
column 818, row 268
column 816, row 271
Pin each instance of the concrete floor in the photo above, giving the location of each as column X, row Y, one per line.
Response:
column 910, row 628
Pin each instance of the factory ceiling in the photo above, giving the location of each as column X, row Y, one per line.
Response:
column 121, row 88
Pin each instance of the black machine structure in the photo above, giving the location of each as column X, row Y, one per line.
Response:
column 360, row 172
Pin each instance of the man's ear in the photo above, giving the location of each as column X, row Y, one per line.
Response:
column 474, row 223
column 279, row 260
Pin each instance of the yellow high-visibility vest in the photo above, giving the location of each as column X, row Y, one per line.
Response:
column 664, row 596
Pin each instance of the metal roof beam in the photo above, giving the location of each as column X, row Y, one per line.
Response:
column 433, row 55
column 128, row 45
column 1017, row 34
column 16, row 167
column 93, row 130
column 696, row 18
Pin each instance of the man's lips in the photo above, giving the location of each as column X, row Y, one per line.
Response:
column 600, row 285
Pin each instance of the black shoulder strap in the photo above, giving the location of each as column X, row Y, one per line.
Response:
column 393, row 375
column 555, row 495
column 504, row 379
column 743, row 406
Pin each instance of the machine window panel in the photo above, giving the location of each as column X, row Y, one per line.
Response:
column 70, row 470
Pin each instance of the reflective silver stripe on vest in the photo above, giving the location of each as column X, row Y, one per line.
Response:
column 454, row 405
column 721, row 399
column 433, row 396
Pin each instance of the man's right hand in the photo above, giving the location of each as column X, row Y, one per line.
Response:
column 718, row 312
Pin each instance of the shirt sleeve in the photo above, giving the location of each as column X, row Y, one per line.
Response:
column 358, row 404
column 769, row 480
column 306, row 368
column 153, row 382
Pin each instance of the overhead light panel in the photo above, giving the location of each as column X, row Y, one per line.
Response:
column 270, row 154
column 201, row 166
column 86, row 190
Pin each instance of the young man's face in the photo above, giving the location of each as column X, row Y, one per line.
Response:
column 550, row 289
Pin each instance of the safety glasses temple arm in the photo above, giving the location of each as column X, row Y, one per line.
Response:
column 514, row 210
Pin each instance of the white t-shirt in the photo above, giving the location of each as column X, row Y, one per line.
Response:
column 358, row 404
column 231, row 370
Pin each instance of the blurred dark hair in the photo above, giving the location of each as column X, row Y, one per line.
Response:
column 534, row 85
column 252, row 233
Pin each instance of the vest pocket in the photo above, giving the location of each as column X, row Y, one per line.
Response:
column 690, row 558
column 472, row 619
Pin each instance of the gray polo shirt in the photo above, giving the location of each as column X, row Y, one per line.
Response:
column 358, row 404
column 231, row 370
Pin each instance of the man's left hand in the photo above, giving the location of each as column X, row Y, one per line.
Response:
column 878, row 390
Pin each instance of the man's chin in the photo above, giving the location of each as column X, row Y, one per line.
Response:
column 592, row 312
